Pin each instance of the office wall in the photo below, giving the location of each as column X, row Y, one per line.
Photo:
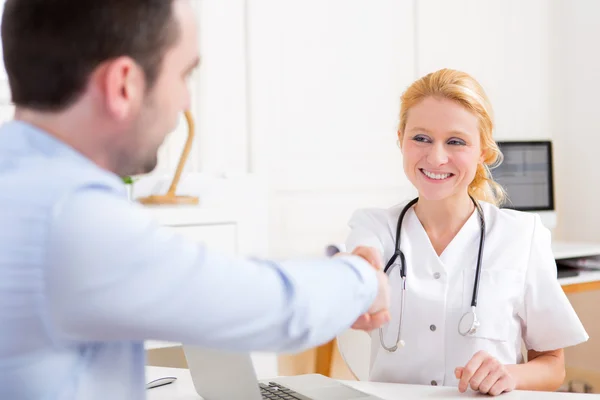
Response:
column 325, row 80
column 504, row 45
column 576, row 84
column 324, row 85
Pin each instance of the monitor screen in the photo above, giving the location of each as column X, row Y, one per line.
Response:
column 526, row 175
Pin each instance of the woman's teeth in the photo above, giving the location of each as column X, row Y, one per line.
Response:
column 435, row 176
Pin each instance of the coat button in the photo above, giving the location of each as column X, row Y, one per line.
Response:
column 432, row 328
column 433, row 383
column 437, row 275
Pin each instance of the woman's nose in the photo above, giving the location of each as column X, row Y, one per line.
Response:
column 437, row 155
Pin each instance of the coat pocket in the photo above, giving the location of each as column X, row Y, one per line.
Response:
column 498, row 295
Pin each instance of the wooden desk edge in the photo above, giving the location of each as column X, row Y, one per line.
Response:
column 324, row 358
column 581, row 287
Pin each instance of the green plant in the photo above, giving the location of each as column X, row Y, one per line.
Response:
column 127, row 180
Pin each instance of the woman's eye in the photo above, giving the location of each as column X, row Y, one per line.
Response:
column 456, row 142
column 421, row 138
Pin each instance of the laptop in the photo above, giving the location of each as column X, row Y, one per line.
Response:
column 219, row 375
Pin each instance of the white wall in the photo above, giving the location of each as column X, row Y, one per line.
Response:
column 325, row 80
column 219, row 98
column 576, row 88
column 505, row 45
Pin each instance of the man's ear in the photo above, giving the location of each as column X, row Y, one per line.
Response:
column 122, row 84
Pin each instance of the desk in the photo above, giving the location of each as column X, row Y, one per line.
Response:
column 183, row 389
column 586, row 280
column 563, row 250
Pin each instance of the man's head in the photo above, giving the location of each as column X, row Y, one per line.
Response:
column 120, row 65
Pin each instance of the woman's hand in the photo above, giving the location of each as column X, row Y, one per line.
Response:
column 485, row 374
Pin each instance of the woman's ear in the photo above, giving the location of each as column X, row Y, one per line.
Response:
column 399, row 141
column 483, row 156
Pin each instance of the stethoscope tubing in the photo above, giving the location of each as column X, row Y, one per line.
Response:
column 398, row 254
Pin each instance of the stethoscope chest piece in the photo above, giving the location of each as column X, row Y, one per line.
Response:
column 468, row 323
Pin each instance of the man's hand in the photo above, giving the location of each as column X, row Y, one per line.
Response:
column 371, row 255
column 485, row 374
column 368, row 322
column 378, row 313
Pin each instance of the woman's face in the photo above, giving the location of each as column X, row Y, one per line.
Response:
column 441, row 148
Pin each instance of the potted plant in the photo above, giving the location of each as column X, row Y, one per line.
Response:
column 128, row 181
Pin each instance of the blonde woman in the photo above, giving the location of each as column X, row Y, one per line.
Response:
column 470, row 282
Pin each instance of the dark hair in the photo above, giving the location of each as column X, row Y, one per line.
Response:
column 51, row 47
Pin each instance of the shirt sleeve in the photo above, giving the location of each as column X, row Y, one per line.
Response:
column 366, row 228
column 115, row 274
column 549, row 320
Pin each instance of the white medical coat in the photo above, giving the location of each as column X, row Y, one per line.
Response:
column 519, row 298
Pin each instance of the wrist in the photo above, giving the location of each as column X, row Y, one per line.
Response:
column 367, row 275
column 514, row 372
column 382, row 300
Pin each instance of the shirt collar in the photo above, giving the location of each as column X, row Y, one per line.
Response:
column 19, row 137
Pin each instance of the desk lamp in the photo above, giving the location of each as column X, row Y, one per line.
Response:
column 171, row 198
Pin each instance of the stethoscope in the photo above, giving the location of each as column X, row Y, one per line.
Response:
column 468, row 323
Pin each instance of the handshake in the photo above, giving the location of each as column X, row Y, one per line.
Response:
column 378, row 314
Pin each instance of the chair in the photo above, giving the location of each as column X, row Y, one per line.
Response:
column 355, row 348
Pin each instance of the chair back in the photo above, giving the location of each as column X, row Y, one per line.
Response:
column 355, row 348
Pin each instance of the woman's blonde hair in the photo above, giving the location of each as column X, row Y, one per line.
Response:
column 466, row 91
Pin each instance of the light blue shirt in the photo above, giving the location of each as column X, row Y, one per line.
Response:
column 86, row 276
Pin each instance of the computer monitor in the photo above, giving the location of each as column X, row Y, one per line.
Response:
column 527, row 176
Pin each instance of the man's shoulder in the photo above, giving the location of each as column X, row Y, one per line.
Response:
column 35, row 162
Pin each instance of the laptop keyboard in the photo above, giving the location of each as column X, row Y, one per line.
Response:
column 275, row 391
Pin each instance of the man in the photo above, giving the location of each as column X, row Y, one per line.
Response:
column 86, row 276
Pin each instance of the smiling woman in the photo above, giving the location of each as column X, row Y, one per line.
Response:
column 462, row 256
